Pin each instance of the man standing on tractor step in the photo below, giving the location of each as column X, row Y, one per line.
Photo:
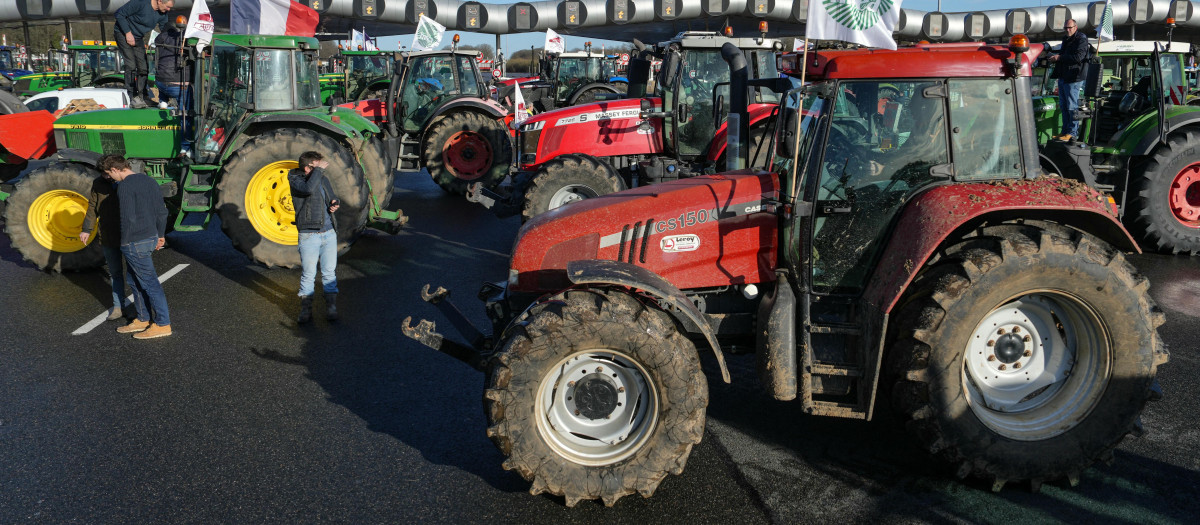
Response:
column 143, row 230
column 133, row 21
column 1070, row 66
column 315, row 203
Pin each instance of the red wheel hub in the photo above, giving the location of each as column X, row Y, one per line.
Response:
column 468, row 155
column 1184, row 196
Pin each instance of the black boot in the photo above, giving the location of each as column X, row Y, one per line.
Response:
column 305, row 310
column 331, row 306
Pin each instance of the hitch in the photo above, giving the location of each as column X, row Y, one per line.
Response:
column 387, row 221
column 501, row 205
column 425, row 332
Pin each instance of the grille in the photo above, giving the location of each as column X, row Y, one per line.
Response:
column 78, row 140
column 23, row 84
column 112, row 143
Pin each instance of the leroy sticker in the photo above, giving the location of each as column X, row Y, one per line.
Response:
column 680, row 243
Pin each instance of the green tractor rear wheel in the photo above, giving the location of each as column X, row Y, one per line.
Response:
column 378, row 172
column 44, row 216
column 9, row 104
column 255, row 202
column 467, row 147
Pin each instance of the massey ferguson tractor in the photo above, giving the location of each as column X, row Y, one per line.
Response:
column 1139, row 140
column 892, row 248
column 256, row 109
column 589, row 150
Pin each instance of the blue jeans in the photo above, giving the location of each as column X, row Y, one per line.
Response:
column 1068, row 102
column 116, row 269
column 148, row 295
column 183, row 96
column 318, row 247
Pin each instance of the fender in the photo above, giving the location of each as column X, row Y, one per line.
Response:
column 596, row 271
column 487, row 107
column 594, row 85
column 292, row 120
column 81, row 156
column 937, row 214
column 1174, row 123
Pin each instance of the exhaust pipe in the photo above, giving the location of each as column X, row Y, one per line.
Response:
column 737, row 126
column 639, row 70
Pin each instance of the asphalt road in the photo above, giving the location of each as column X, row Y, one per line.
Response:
column 241, row 416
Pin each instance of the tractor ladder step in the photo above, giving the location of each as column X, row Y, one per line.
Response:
column 835, row 328
column 836, row 370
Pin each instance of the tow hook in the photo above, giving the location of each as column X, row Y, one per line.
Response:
column 502, row 206
column 425, row 332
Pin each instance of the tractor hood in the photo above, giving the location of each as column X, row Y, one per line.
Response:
column 140, row 133
column 602, row 129
column 714, row 230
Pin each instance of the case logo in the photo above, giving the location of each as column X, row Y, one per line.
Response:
column 680, row 243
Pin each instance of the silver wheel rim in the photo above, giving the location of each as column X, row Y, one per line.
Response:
column 571, row 193
column 578, row 418
column 1036, row 366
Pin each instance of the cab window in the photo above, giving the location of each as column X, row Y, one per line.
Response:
column 983, row 123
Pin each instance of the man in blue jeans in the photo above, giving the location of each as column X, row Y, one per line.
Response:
column 143, row 230
column 1069, row 66
column 315, row 204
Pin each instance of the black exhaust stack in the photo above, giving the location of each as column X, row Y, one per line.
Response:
column 639, row 70
column 738, row 125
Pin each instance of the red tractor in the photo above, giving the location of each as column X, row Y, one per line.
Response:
column 585, row 151
column 915, row 256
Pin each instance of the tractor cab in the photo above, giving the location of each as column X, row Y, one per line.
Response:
column 694, row 86
column 568, row 72
column 362, row 75
column 429, row 80
column 8, row 65
column 258, row 75
column 90, row 64
column 95, row 66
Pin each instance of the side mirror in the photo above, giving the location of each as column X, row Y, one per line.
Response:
column 786, row 136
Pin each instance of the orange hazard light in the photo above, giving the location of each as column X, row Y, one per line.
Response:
column 1018, row 43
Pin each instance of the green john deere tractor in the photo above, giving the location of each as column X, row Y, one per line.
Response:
column 1139, row 140
column 89, row 65
column 365, row 74
column 255, row 111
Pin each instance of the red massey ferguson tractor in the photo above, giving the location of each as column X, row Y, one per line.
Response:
column 900, row 246
column 588, row 150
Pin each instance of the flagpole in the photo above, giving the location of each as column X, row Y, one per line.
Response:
column 796, row 147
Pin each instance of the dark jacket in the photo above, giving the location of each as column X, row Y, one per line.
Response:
column 171, row 65
column 103, row 204
column 1072, row 56
column 143, row 214
column 310, row 210
column 139, row 17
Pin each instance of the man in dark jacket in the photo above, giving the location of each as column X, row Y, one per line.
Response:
column 104, row 205
column 143, row 230
column 173, row 74
column 133, row 21
column 315, row 203
column 1070, row 65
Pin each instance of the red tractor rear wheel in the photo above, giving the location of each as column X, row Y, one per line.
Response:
column 467, row 147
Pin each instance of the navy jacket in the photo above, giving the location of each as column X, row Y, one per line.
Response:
column 139, row 17
column 1072, row 56
column 310, row 210
column 171, row 66
column 143, row 214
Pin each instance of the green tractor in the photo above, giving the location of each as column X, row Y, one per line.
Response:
column 91, row 65
column 255, row 110
column 439, row 109
column 365, row 74
column 1139, row 140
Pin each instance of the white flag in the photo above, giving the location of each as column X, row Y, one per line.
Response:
column 520, row 112
column 356, row 40
column 428, row 36
column 867, row 22
column 200, row 25
column 1106, row 23
column 554, row 42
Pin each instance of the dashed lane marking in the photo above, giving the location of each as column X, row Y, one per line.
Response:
column 99, row 319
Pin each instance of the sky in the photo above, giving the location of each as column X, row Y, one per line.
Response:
column 525, row 40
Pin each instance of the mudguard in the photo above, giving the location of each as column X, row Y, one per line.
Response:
column 488, row 107
column 81, row 156
column 1174, row 122
column 595, row 271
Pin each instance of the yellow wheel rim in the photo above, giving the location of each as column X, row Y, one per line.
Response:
column 269, row 203
column 56, row 218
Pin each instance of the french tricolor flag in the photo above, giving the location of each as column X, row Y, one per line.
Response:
column 272, row 17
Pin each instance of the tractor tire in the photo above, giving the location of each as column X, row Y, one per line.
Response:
column 1030, row 353
column 639, row 381
column 378, row 172
column 9, row 104
column 44, row 214
column 567, row 179
column 1165, row 198
column 467, row 147
column 255, row 202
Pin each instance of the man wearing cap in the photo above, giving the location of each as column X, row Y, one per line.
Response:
column 1070, row 62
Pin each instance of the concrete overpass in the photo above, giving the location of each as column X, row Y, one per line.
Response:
column 651, row 20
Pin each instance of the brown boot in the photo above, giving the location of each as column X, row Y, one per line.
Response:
column 155, row 331
column 133, row 327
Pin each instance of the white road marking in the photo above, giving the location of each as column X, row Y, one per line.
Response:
column 99, row 319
